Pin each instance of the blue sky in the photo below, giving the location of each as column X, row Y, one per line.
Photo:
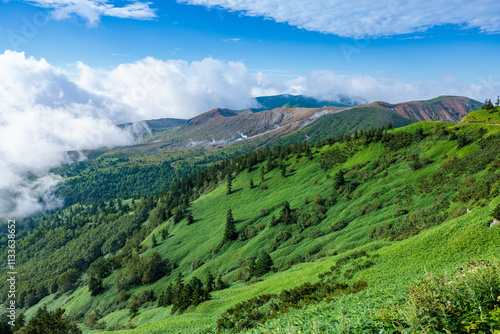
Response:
column 193, row 32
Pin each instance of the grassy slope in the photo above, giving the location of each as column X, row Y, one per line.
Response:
column 464, row 237
column 484, row 116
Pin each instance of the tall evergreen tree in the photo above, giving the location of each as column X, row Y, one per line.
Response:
column 209, row 285
column 251, row 184
column 198, row 291
column 270, row 164
column 95, row 285
column 339, row 179
column 229, row 183
column 262, row 174
column 154, row 242
column 219, row 283
column 264, row 264
column 230, row 232
column 190, row 219
column 164, row 233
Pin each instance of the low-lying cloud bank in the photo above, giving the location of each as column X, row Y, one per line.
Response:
column 46, row 112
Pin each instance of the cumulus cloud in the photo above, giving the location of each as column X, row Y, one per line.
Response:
column 366, row 18
column 92, row 10
column 43, row 115
column 153, row 88
column 46, row 112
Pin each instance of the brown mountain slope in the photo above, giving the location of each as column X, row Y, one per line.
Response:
column 444, row 108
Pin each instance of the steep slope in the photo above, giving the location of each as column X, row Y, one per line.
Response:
column 483, row 116
column 394, row 186
column 443, row 108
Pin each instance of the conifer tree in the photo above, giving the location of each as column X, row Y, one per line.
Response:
column 230, row 232
column 169, row 295
column 198, row 294
column 219, row 284
column 229, row 184
column 264, row 264
column 262, row 174
column 190, row 219
column 286, row 214
column 270, row 164
column 95, row 286
column 339, row 179
column 161, row 300
column 154, row 242
column 209, row 285
column 164, row 234
column 251, row 184
column 177, row 294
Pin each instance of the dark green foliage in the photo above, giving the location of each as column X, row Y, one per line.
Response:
column 251, row 185
column 473, row 163
column 190, row 219
column 283, row 170
column 164, row 233
column 154, row 242
column 229, row 183
column 50, row 322
column 5, row 328
column 466, row 302
column 134, row 309
column 144, row 270
column 264, row 264
column 166, row 297
column 278, row 239
column 488, row 105
column 95, row 286
column 209, row 285
column 338, row 179
column 339, row 225
column 332, row 157
column 262, row 308
column 181, row 295
column 409, row 225
column 496, row 212
column 230, row 231
column 67, row 280
column 396, row 141
column 220, row 284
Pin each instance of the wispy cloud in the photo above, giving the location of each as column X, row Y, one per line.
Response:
column 92, row 10
column 367, row 18
column 231, row 39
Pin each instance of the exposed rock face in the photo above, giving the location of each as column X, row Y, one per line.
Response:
column 444, row 109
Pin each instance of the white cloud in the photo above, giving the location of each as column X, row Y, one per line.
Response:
column 367, row 18
column 92, row 10
column 153, row 88
column 45, row 112
column 42, row 116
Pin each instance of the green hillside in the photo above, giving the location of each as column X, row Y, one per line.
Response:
column 325, row 240
column 483, row 116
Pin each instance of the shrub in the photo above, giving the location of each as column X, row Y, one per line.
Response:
column 339, row 225
column 465, row 302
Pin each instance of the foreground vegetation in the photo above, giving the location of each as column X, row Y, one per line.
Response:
column 363, row 232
